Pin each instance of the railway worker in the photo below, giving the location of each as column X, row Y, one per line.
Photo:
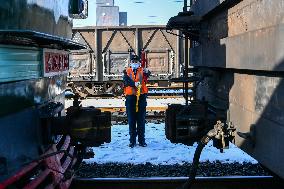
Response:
column 135, row 90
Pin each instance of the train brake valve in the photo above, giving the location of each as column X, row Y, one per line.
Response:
column 87, row 126
column 85, row 152
column 187, row 124
column 225, row 133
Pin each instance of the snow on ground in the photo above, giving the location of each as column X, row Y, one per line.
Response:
column 120, row 102
column 159, row 150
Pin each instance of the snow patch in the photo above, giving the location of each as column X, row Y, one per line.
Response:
column 160, row 151
column 120, row 102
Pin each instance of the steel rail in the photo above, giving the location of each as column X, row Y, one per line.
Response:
column 226, row 182
column 123, row 109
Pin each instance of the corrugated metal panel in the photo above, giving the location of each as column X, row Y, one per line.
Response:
column 18, row 63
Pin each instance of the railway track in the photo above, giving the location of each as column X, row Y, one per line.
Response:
column 157, row 105
column 149, row 97
column 86, row 91
column 241, row 182
column 119, row 113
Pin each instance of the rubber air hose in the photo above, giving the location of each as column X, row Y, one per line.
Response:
column 201, row 144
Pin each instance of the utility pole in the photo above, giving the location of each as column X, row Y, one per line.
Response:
column 185, row 72
column 185, row 6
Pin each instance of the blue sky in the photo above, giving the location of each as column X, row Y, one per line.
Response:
column 138, row 13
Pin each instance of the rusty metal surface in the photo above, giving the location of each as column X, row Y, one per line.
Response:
column 243, row 49
column 257, row 24
column 263, row 50
column 256, row 109
column 111, row 46
column 251, row 15
column 79, row 65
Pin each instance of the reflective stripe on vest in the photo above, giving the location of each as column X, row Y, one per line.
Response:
column 132, row 88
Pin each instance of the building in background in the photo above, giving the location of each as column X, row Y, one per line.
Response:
column 108, row 15
column 105, row 3
column 123, row 18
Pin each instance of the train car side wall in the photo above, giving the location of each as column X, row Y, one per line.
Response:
column 109, row 47
column 23, row 89
column 243, row 51
column 44, row 16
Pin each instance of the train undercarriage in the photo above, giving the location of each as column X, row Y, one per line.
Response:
column 115, row 88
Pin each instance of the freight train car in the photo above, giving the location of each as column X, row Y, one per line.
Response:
column 239, row 45
column 99, row 68
column 37, row 139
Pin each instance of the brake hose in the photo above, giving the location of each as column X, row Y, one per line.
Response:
column 201, row 144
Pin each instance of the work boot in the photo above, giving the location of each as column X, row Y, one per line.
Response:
column 143, row 144
column 131, row 145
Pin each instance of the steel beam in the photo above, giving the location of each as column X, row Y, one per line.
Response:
column 172, row 49
column 150, row 39
column 109, row 41
column 137, row 41
column 99, row 57
column 179, row 53
column 89, row 38
column 126, row 38
column 130, row 46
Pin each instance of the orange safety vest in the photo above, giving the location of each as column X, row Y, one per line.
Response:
column 138, row 78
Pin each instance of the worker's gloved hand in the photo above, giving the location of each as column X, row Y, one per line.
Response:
column 124, row 72
column 145, row 70
column 137, row 84
column 127, row 81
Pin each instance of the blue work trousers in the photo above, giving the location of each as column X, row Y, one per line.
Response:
column 136, row 117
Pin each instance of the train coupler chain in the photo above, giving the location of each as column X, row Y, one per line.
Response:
column 225, row 133
column 222, row 134
column 85, row 152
